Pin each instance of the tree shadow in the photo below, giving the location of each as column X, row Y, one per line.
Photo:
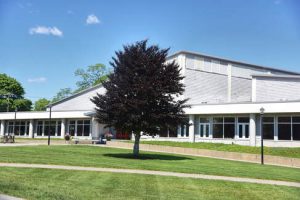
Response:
column 146, row 156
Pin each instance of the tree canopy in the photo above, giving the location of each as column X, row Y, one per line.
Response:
column 143, row 93
column 61, row 94
column 93, row 75
column 41, row 104
column 12, row 95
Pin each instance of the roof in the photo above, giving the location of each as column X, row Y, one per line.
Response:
column 233, row 61
column 276, row 76
column 76, row 95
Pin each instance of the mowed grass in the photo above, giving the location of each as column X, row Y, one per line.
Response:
column 61, row 184
column 274, row 151
column 82, row 155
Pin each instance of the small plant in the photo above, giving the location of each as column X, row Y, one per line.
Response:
column 67, row 137
column 108, row 136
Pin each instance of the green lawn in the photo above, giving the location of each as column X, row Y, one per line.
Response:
column 59, row 184
column 121, row 158
column 274, row 151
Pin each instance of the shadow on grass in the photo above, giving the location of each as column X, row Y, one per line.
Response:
column 146, row 156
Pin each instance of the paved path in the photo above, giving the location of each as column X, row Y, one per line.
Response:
column 6, row 197
column 151, row 172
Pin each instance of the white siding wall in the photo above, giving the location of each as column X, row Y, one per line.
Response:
column 277, row 89
column 81, row 102
column 241, row 89
column 205, row 87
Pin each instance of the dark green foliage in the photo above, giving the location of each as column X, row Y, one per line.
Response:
column 142, row 92
column 41, row 104
column 10, row 86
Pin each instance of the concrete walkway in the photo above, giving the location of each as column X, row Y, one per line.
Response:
column 6, row 197
column 151, row 172
column 225, row 155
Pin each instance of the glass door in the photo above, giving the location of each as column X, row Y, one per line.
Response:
column 243, row 130
column 204, row 129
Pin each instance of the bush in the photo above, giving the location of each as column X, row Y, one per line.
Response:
column 67, row 137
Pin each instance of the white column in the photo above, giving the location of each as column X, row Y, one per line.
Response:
column 2, row 127
column 95, row 128
column 191, row 128
column 179, row 131
column 30, row 135
column 252, row 129
column 63, row 128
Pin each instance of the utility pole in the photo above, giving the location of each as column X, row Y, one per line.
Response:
column 49, row 128
column 262, row 110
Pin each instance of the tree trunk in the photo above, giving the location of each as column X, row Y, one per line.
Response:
column 136, row 147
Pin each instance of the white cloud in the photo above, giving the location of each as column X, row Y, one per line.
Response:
column 46, row 31
column 37, row 80
column 92, row 19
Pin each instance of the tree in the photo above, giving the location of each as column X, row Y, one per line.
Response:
column 41, row 104
column 143, row 92
column 63, row 93
column 12, row 95
column 95, row 74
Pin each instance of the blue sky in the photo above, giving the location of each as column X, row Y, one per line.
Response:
column 42, row 43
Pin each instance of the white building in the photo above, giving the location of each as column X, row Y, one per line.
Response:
column 225, row 97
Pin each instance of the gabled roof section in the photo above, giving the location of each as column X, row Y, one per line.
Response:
column 232, row 61
column 76, row 95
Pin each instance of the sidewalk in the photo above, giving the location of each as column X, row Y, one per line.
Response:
column 245, row 157
column 6, row 197
column 152, row 172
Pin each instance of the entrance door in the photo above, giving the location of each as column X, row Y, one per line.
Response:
column 243, row 130
column 204, row 129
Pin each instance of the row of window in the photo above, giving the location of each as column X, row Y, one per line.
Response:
column 75, row 128
column 18, row 128
column 288, row 128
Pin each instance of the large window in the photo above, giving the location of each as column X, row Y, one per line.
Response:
column 79, row 127
column 268, row 127
column 229, row 127
column 296, row 128
column 18, row 128
column 223, row 127
column 284, row 128
column 83, row 127
column 43, row 128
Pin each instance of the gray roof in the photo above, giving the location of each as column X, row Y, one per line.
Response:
column 233, row 61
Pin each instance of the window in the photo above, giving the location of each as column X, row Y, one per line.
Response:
column 284, row 128
column 71, row 127
column 223, row 127
column 217, row 127
column 18, row 128
column 296, row 128
column 268, row 127
column 39, row 130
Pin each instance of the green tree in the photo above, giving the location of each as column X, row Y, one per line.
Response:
column 41, row 104
column 93, row 75
column 142, row 93
column 12, row 95
column 62, row 93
